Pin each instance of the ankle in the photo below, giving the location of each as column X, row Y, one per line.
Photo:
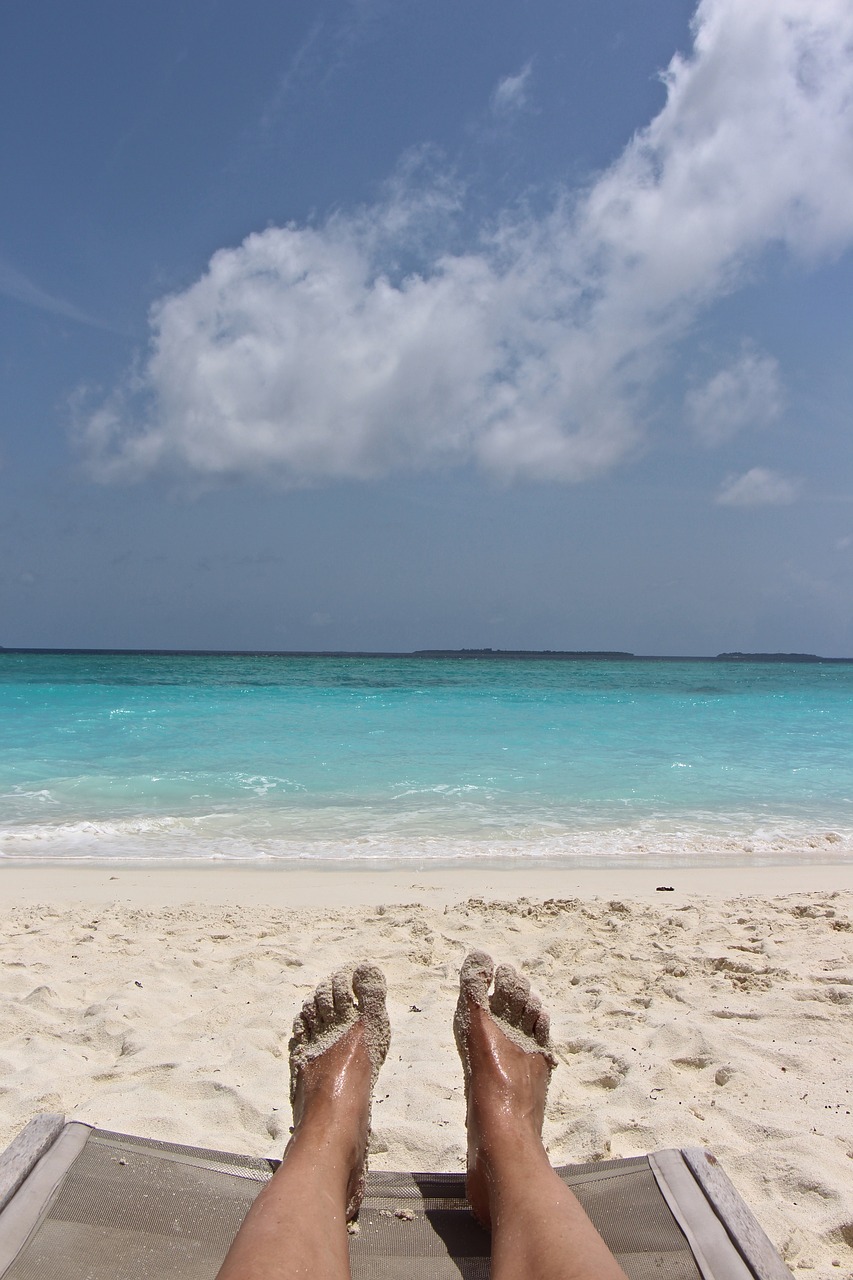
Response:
column 334, row 1156
column 506, row 1140
column 502, row 1165
column 497, row 1118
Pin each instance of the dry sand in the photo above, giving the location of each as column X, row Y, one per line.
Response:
column 710, row 1015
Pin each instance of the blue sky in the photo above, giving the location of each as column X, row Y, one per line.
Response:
column 388, row 324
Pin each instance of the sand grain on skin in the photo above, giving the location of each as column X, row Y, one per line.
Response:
column 512, row 1006
column 329, row 1013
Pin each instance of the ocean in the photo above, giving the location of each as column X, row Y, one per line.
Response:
column 381, row 761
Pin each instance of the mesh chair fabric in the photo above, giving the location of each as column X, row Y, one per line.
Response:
column 138, row 1209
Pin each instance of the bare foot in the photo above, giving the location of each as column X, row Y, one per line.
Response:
column 503, row 1041
column 337, row 1047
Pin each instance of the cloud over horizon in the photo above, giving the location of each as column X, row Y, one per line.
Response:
column 365, row 345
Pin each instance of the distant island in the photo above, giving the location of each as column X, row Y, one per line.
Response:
column 617, row 655
column 737, row 656
column 522, row 653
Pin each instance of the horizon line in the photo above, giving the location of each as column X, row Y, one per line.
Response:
column 601, row 655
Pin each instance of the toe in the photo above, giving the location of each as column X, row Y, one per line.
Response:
column 512, row 991
column 342, row 994
column 475, row 977
column 324, row 1002
column 368, row 983
column 542, row 1030
column 530, row 1014
column 309, row 1017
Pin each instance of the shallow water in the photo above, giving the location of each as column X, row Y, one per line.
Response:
column 176, row 757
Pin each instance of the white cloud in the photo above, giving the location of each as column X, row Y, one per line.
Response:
column 759, row 487
column 746, row 394
column 510, row 95
column 308, row 354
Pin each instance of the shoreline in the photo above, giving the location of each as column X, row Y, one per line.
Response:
column 208, row 884
column 230, row 842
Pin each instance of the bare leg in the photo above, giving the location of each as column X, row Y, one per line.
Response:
column 297, row 1226
column 539, row 1230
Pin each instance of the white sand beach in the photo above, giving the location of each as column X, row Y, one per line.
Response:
column 717, row 1014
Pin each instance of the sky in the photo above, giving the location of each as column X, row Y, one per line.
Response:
column 399, row 324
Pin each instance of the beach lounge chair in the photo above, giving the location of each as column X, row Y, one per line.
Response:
column 78, row 1202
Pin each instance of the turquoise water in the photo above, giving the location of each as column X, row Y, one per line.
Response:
column 264, row 757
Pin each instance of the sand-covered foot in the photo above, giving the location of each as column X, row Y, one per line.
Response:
column 503, row 1037
column 339, row 1042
